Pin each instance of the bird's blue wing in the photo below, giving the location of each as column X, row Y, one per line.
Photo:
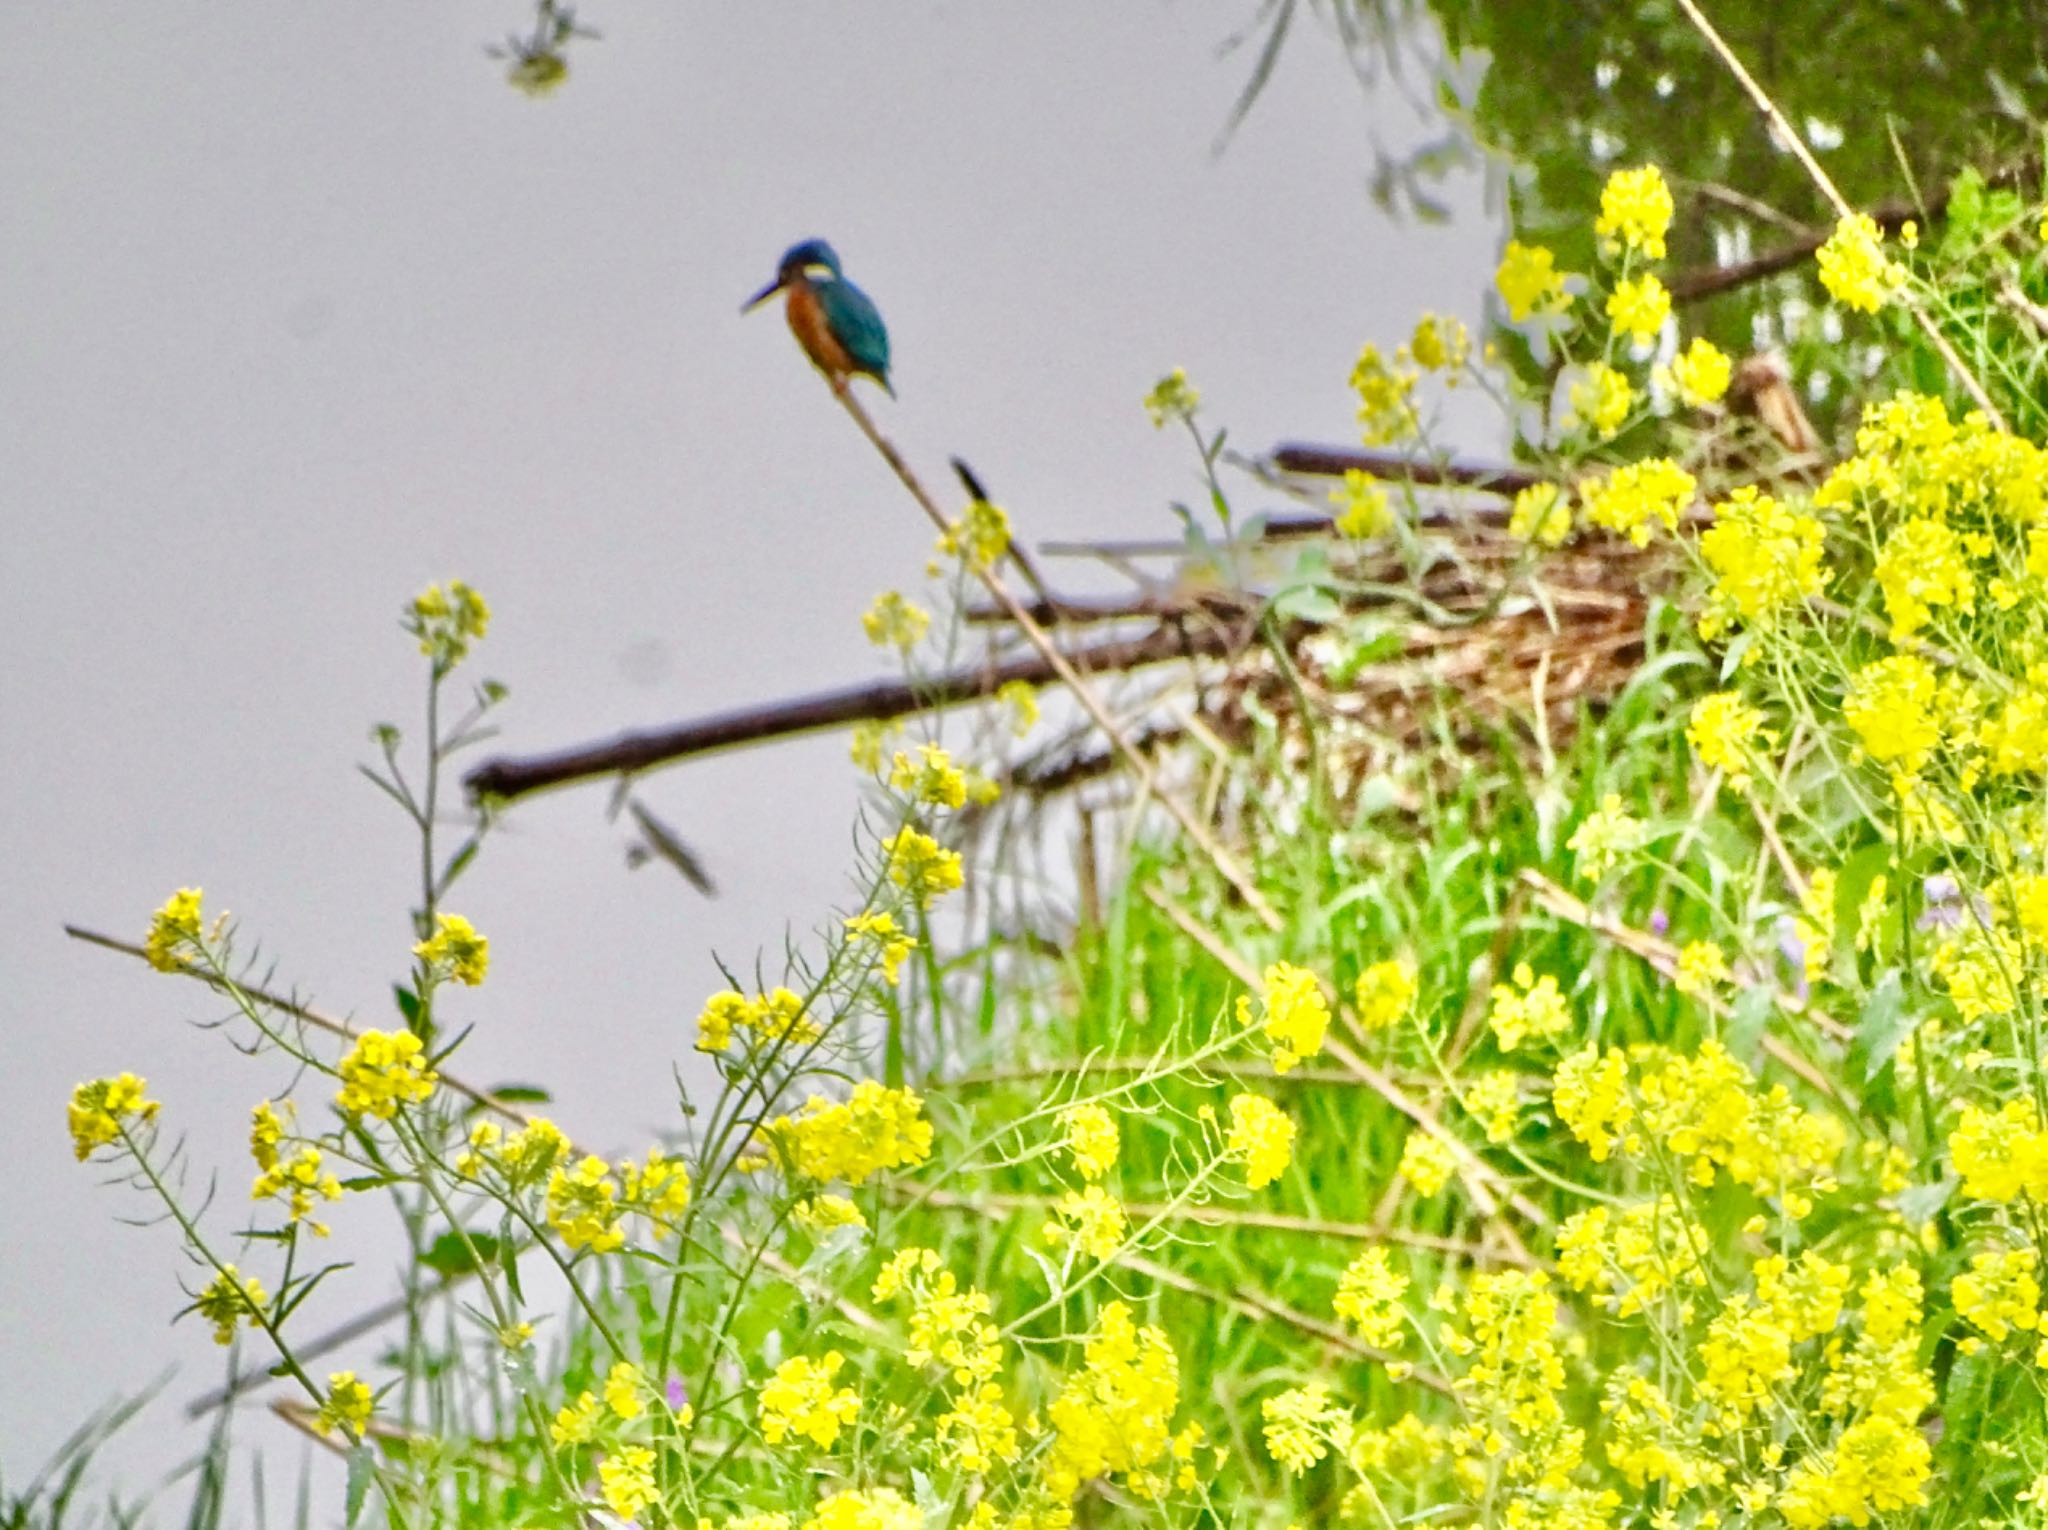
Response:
column 857, row 324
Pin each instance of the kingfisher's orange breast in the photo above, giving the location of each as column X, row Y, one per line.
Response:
column 807, row 323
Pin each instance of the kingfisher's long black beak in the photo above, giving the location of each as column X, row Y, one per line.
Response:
column 763, row 295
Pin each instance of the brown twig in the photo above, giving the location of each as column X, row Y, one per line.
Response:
column 1791, row 136
column 507, row 777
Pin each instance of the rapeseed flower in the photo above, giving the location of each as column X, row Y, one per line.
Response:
column 1854, row 268
column 455, row 951
column 891, row 943
column 894, row 622
column 1699, row 375
column 1601, row 400
column 1114, row 1416
column 1261, row 1137
column 1369, row 1298
column 1172, row 398
column 1092, row 1138
column 1726, row 732
column 1765, row 558
column 1531, row 1007
column 1426, row 1162
column 1302, row 1424
column 1638, row 495
column 1540, row 514
column 383, row 1071
column 583, row 1206
column 1891, row 709
column 1529, row 282
column 1093, row 1219
column 872, row 1509
column 1386, row 399
column 929, row 779
column 1296, row 1017
column 230, row 1300
column 1384, row 992
column 1361, row 502
column 800, row 1399
column 447, row 622
column 103, row 1108
column 921, row 866
column 1638, row 307
column 1635, row 212
column 345, row 1407
column 174, row 931
column 875, row 1129
column 626, row 1478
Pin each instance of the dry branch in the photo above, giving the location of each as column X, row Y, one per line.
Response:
column 506, row 777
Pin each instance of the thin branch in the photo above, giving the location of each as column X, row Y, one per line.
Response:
column 1790, row 136
column 507, row 777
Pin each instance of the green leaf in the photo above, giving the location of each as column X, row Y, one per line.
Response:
column 508, row 1260
column 362, row 1467
column 1885, row 1023
column 1743, row 1031
column 408, row 1004
column 451, row 1254
column 1307, row 603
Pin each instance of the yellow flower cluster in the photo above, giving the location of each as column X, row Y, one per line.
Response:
column 230, row 1300
column 382, row 1072
column 1386, row 398
column 174, row 931
column 1383, row 993
column 1854, row 268
column 1369, row 1298
column 921, row 866
column 892, row 946
column 1294, row 1014
column 1727, row 733
column 1635, row 212
column 1765, row 558
column 1531, row 1007
column 455, row 951
column 1261, row 1137
column 1172, row 398
column 873, row 1130
column 1114, row 1417
column 346, row 1406
column 447, row 622
column 102, row 1109
column 1637, row 496
column 771, row 1019
column 1092, row 1138
column 895, row 622
column 1529, row 283
column 1361, row 504
column 801, row 1399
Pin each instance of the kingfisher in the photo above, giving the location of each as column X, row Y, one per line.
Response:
column 834, row 321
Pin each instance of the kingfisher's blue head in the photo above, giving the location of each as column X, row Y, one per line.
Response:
column 797, row 262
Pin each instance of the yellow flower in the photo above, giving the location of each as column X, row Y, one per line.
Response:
column 1302, row 1424
column 1093, row 1218
column 1999, row 1292
column 1701, row 967
column 1532, row 1007
column 981, row 536
column 1384, row 992
column 383, row 1071
column 455, row 950
column 101, row 1109
column 919, row 865
column 1386, row 407
column 298, row 1182
column 1700, row 375
column 1605, row 837
column 1092, row 1138
column 930, row 778
column 1495, row 1100
column 1369, row 1297
column 821, row 1213
column 1765, row 559
column 1922, row 565
column 1440, row 343
column 801, row 1400
column 893, row 621
column 346, row 1406
column 230, row 1299
column 1637, row 495
column 874, row 1509
column 626, row 1477
column 1426, row 1162
column 1639, row 306
column 583, row 1206
column 1590, row 1097
column 864, row 744
column 1891, row 709
column 447, row 622
column 1725, row 732
column 1529, row 282
column 172, row 929
column 875, row 1129
column 1541, row 515
column 1601, row 400
column 892, row 944
column 1261, row 1137
column 1022, row 701
column 1635, row 212
column 1296, row 1014
column 577, row 1423
column 1854, row 267
column 1362, row 506
column 2000, row 1156
column 1114, row 1416
column 1172, row 398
